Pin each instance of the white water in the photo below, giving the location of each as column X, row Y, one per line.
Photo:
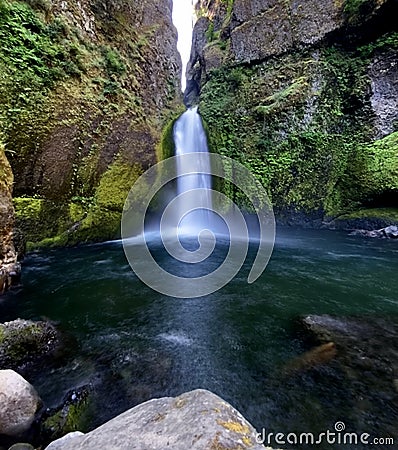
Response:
column 190, row 137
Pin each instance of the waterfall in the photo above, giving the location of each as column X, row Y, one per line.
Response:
column 190, row 137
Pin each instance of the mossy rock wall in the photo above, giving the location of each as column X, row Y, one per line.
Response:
column 313, row 119
column 83, row 86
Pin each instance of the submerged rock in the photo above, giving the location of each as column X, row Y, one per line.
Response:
column 19, row 403
column 22, row 342
column 366, row 350
column 196, row 420
column 319, row 355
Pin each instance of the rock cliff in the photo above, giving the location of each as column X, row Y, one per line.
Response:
column 304, row 94
column 9, row 268
column 85, row 91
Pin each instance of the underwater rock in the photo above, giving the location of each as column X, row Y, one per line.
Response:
column 366, row 350
column 321, row 354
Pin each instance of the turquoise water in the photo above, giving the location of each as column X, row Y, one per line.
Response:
column 133, row 344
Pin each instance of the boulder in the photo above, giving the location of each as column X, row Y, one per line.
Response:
column 19, row 403
column 391, row 232
column 23, row 342
column 21, row 446
column 196, row 420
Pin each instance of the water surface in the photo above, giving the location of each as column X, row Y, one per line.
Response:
column 133, row 344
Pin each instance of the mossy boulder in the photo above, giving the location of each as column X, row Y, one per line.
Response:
column 24, row 343
column 68, row 417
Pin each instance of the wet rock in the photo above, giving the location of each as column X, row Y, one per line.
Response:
column 66, row 418
column 384, row 75
column 390, row 232
column 23, row 342
column 19, row 403
column 196, row 420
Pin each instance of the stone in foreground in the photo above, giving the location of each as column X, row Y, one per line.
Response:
column 196, row 420
column 18, row 403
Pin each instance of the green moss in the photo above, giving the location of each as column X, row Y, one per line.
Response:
column 296, row 122
column 68, row 418
column 115, row 185
column 20, row 343
column 166, row 148
column 39, row 218
column 390, row 215
column 280, row 100
column 373, row 169
column 354, row 9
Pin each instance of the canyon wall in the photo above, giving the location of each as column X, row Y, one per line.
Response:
column 304, row 93
column 85, row 91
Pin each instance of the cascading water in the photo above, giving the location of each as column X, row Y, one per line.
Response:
column 190, row 137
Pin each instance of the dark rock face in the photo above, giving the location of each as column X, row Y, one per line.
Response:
column 196, row 62
column 384, row 76
column 9, row 267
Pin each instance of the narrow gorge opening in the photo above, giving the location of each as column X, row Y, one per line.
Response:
column 184, row 20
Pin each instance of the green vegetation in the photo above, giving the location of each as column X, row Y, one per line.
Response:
column 20, row 343
column 70, row 417
column 67, row 98
column 354, row 8
column 301, row 124
column 390, row 215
